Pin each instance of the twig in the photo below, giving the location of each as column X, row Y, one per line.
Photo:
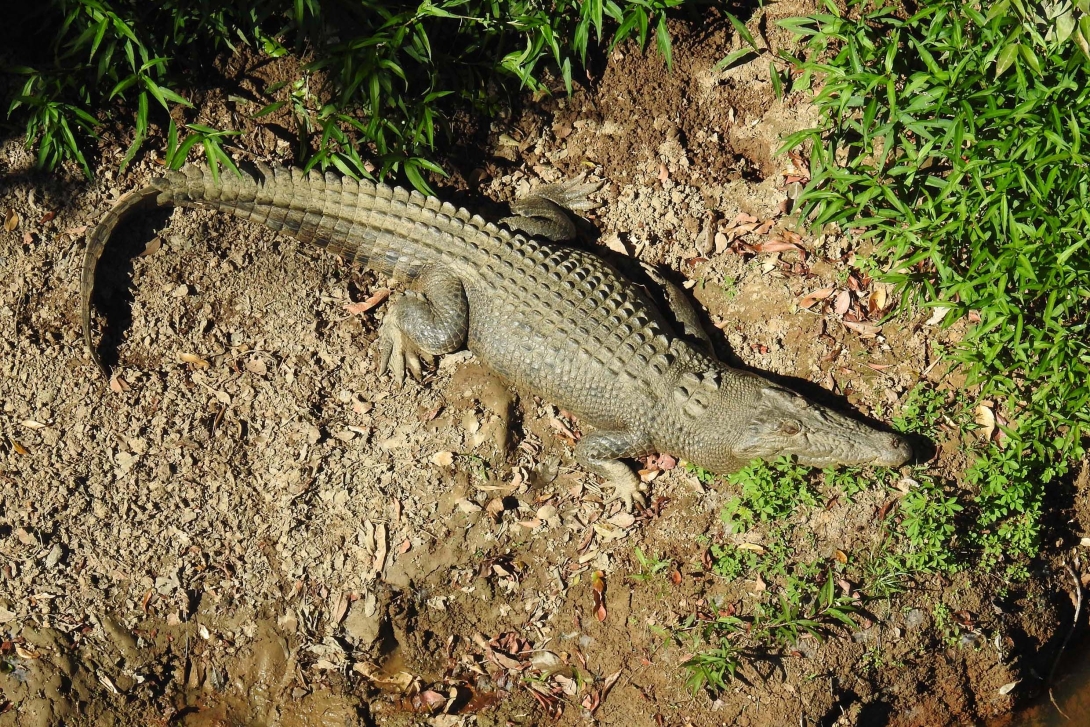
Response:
column 1074, row 625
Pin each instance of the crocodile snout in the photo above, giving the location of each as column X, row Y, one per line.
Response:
column 898, row 452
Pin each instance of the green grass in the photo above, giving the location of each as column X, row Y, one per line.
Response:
column 389, row 73
column 954, row 140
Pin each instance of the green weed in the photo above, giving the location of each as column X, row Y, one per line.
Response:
column 650, row 566
column 394, row 69
column 916, row 150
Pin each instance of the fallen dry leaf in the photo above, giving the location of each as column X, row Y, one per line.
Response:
column 11, row 221
column 25, row 653
column 193, row 360
column 985, row 419
column 443, row 459
column 118, row 384
column 843, row 302
column 876, row 301
column 1009, row 687
column 808, row 300
column 751, row 546
column 938, row 315
column 865, row 330
column 47, row 217
column 494, row 508
column 19, row 449
column 622, row 520
column 777, row 246
column 598, row 586
column 467, row 506
column 362, row 307
column 841, row 556
column 257, row 366
column 152, row 247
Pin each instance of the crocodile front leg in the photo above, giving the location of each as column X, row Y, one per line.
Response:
column 547, row 211
column 599, row 453
column 430, row 319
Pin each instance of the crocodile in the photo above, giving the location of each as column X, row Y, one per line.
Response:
column 544, row 315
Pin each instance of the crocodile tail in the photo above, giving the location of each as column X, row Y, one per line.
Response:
column 96, row 243
column 388, row 229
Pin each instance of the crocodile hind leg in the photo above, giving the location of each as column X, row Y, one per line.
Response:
column 547, row 211
column 600, row 453
column 681, row 307
column 429, row 320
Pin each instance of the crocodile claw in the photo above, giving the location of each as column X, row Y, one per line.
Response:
column 629, row 490
column 397, row 354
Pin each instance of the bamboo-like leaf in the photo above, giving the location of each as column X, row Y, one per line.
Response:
column 1006, row 58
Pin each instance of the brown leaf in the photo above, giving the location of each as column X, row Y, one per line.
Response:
column 147, row 600
column 193, row 360
column 841, row 556
column 19, row 449
column 11, row 221
column 865, row 330
column 494, row 508
column 24, row 653
column 443, row 459
column 741, row 219
column 377, row 297
column 664, row 173
column 405, row 547
column 765, row 227
column 76, row 231
column 152, row 247
column 481, row 701
column 880, row 367
column 256, row 366
column 777, row 246
column 47, row 217
column 985, row 419
column 342, row 608
column 808, row 300
column 876, row 302
column 598, row 585
column 843, row 302
column 675, row 577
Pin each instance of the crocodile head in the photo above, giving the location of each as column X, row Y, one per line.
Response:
column 756, row 419
column 782, row 422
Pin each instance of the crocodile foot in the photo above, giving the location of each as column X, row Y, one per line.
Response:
column 629, row 490
column 396, row 353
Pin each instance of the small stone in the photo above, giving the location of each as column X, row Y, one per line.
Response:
column 360, row 626
column 55, row 555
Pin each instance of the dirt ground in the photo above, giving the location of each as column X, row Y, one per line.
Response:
column 247, row 526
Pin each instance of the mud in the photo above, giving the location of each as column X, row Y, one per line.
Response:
column 248, row 527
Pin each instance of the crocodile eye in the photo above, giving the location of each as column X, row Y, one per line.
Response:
column 790, row 427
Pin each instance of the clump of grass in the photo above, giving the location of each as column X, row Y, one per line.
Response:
column 954, row 139
column 395, row 68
